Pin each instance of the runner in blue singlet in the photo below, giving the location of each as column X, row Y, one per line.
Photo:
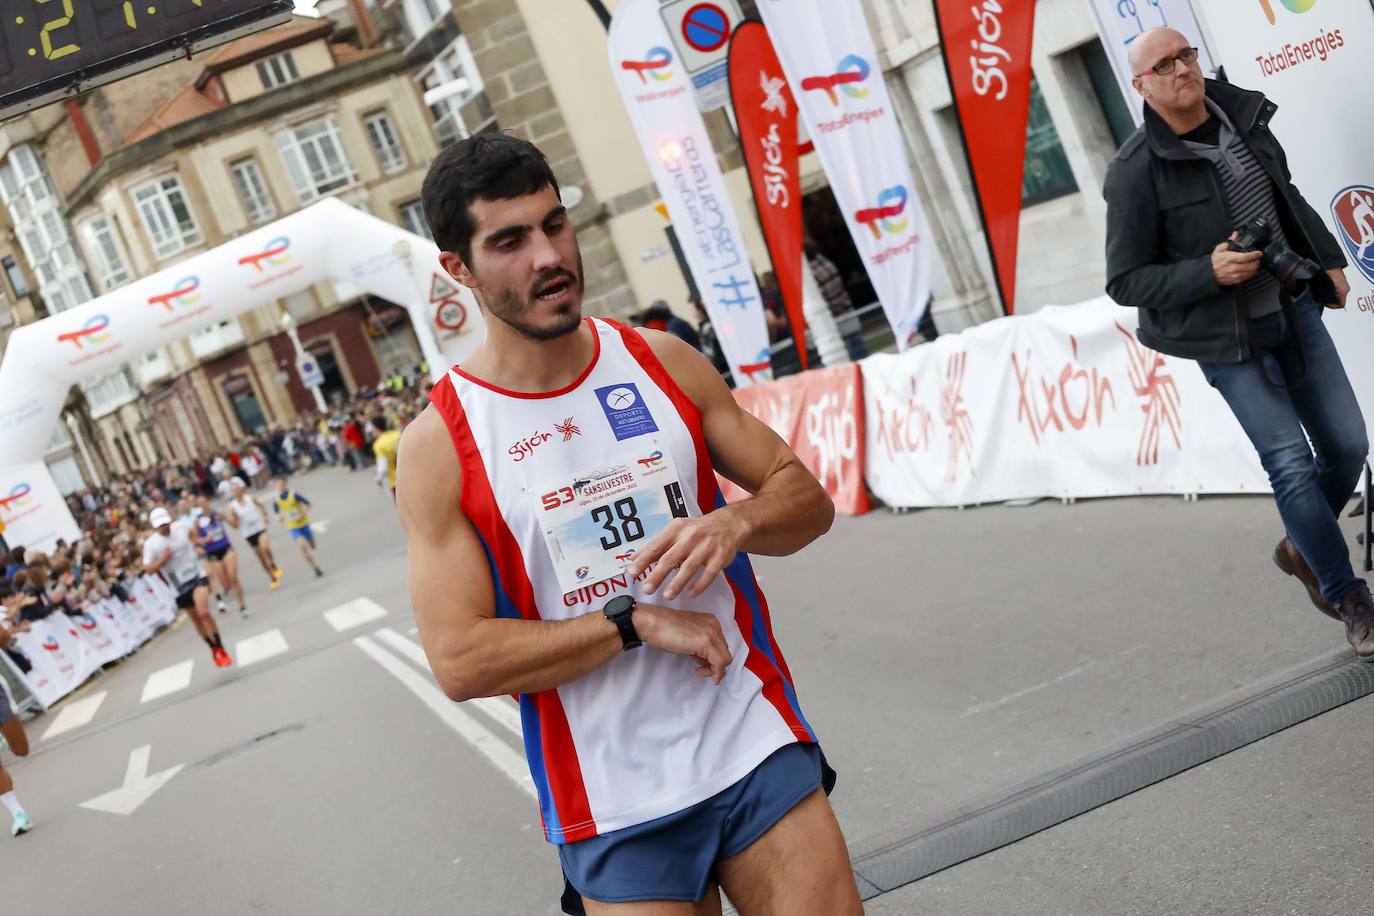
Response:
column 209, row 535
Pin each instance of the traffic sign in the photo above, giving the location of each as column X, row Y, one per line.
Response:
column 706, row 27
column 700, row 30
column 309, row 371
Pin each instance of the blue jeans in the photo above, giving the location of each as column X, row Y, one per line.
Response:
column 1310, row 490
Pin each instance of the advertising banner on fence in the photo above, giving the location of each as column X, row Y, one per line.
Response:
column 1312, row 60
column 767, row 117
column 683, row 164
column 1119, row 24
column 820, row 414
column 828, row 55
column 1065, row 403
column 61, row 660
column 987, row 59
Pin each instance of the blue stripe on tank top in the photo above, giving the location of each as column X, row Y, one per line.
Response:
column 741, row 573
column 529, row 711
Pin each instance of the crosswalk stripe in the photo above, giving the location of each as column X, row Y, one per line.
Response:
column 497, row 751
column 75, row 715
column 260, row 647
column 353, row 614
column 503, row 711
column 168, row 680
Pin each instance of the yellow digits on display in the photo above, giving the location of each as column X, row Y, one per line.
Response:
column 49, row 51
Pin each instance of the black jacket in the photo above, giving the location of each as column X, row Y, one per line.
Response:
column 1166, row 212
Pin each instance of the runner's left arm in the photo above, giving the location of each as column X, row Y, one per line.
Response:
column 787, row 511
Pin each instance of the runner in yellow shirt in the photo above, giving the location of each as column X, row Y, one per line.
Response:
column 384, row 447
column 292, row 506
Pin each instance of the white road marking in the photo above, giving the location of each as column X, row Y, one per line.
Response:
column 138, row 785
column 353, row 614
column 414, row 630
column 1090, row 666
column 168, row 680
column 75, row 715
column 320, row 527
column 260, row 647
column 503, row 711
column 497, row 751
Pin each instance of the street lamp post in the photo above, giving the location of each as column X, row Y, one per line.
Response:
column 290, row 328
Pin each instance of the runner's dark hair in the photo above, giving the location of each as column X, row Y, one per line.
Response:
column 491, row 166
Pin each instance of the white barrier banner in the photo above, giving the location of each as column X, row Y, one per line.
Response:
column 1313, row 62
column 1119, row 24
column 32, row 508
column 60, row 659
column 158, row 600
column 117, row 621
column 828, row 55
column 659, row 98
column 1064, row 403
column 103, row 639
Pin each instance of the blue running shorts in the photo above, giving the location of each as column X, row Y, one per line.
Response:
column 674, row 857
column 303, row 532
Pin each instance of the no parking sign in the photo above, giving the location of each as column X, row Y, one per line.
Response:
column 700, row 30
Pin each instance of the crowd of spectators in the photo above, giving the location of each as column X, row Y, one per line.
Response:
column 114, row 518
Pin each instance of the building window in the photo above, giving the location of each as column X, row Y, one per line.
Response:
column 277, row 71
column 385, row 142
column 15, row 276
column 1047, row 168
column 423, row 14
column 257, row 202
column 316, row 160
column 167, row 216
column 413, row 218
column 1107, row 90
column 100, row 242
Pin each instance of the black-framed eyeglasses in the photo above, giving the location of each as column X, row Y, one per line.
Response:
column 1166, row 66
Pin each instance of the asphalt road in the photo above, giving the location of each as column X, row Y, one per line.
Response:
column 939, row 654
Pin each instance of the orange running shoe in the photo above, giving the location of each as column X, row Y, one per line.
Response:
column 222, row 659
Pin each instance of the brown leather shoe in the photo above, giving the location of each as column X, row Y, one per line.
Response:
column 1290, row 561
column 1357, row 608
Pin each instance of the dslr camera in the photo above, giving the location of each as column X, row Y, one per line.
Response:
column 1282, row 263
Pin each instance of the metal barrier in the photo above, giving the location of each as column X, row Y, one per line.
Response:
column 12, row 682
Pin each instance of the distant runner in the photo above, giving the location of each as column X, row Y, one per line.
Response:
column 209, row 535
column 292, row 506
column 384, row 447
column 12, row 731
column 169, row 551
column 248, row 515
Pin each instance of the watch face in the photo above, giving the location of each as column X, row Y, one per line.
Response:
column 620, row 604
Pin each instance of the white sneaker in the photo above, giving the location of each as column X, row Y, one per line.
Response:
column 243, row 613
column 222, row 608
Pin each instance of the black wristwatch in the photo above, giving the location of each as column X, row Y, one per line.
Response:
column 619, row 611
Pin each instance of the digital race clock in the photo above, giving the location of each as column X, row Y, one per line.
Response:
column 52, row 48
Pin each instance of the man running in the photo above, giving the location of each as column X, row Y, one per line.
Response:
column 384, row 448
column 11, row 731
column 666, row 741
column 209, row 534
column 169, row 551
column 248, row 515
column 292, row 507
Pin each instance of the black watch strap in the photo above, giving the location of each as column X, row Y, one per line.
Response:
column 620, row 611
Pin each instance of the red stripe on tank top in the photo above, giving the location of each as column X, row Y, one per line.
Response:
column 707, row 490
column 480, row 506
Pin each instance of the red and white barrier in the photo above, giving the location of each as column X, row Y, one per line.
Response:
column 1064, row 402
column 820, row 415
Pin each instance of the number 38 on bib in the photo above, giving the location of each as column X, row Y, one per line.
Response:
column 596, row 521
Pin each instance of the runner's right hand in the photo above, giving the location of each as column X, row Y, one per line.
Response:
column 685, row 633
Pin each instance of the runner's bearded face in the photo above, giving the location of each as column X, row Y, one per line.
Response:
column 527, row 265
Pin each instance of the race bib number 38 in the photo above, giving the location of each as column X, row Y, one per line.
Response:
column 596, row 521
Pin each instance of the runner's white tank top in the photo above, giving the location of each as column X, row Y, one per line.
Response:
column 251, row 520
column 642, row 736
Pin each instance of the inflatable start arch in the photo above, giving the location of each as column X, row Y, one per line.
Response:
column 327, row 241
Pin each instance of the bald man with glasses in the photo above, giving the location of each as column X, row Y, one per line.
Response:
column 1204, row 165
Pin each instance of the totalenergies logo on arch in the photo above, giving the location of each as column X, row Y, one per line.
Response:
column 888, row 214
column 93, row 331
column 850, row 71
column 1293, row 6
column 274, row 253
column 183, row 295
column 653, row 66
column 18, row 498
